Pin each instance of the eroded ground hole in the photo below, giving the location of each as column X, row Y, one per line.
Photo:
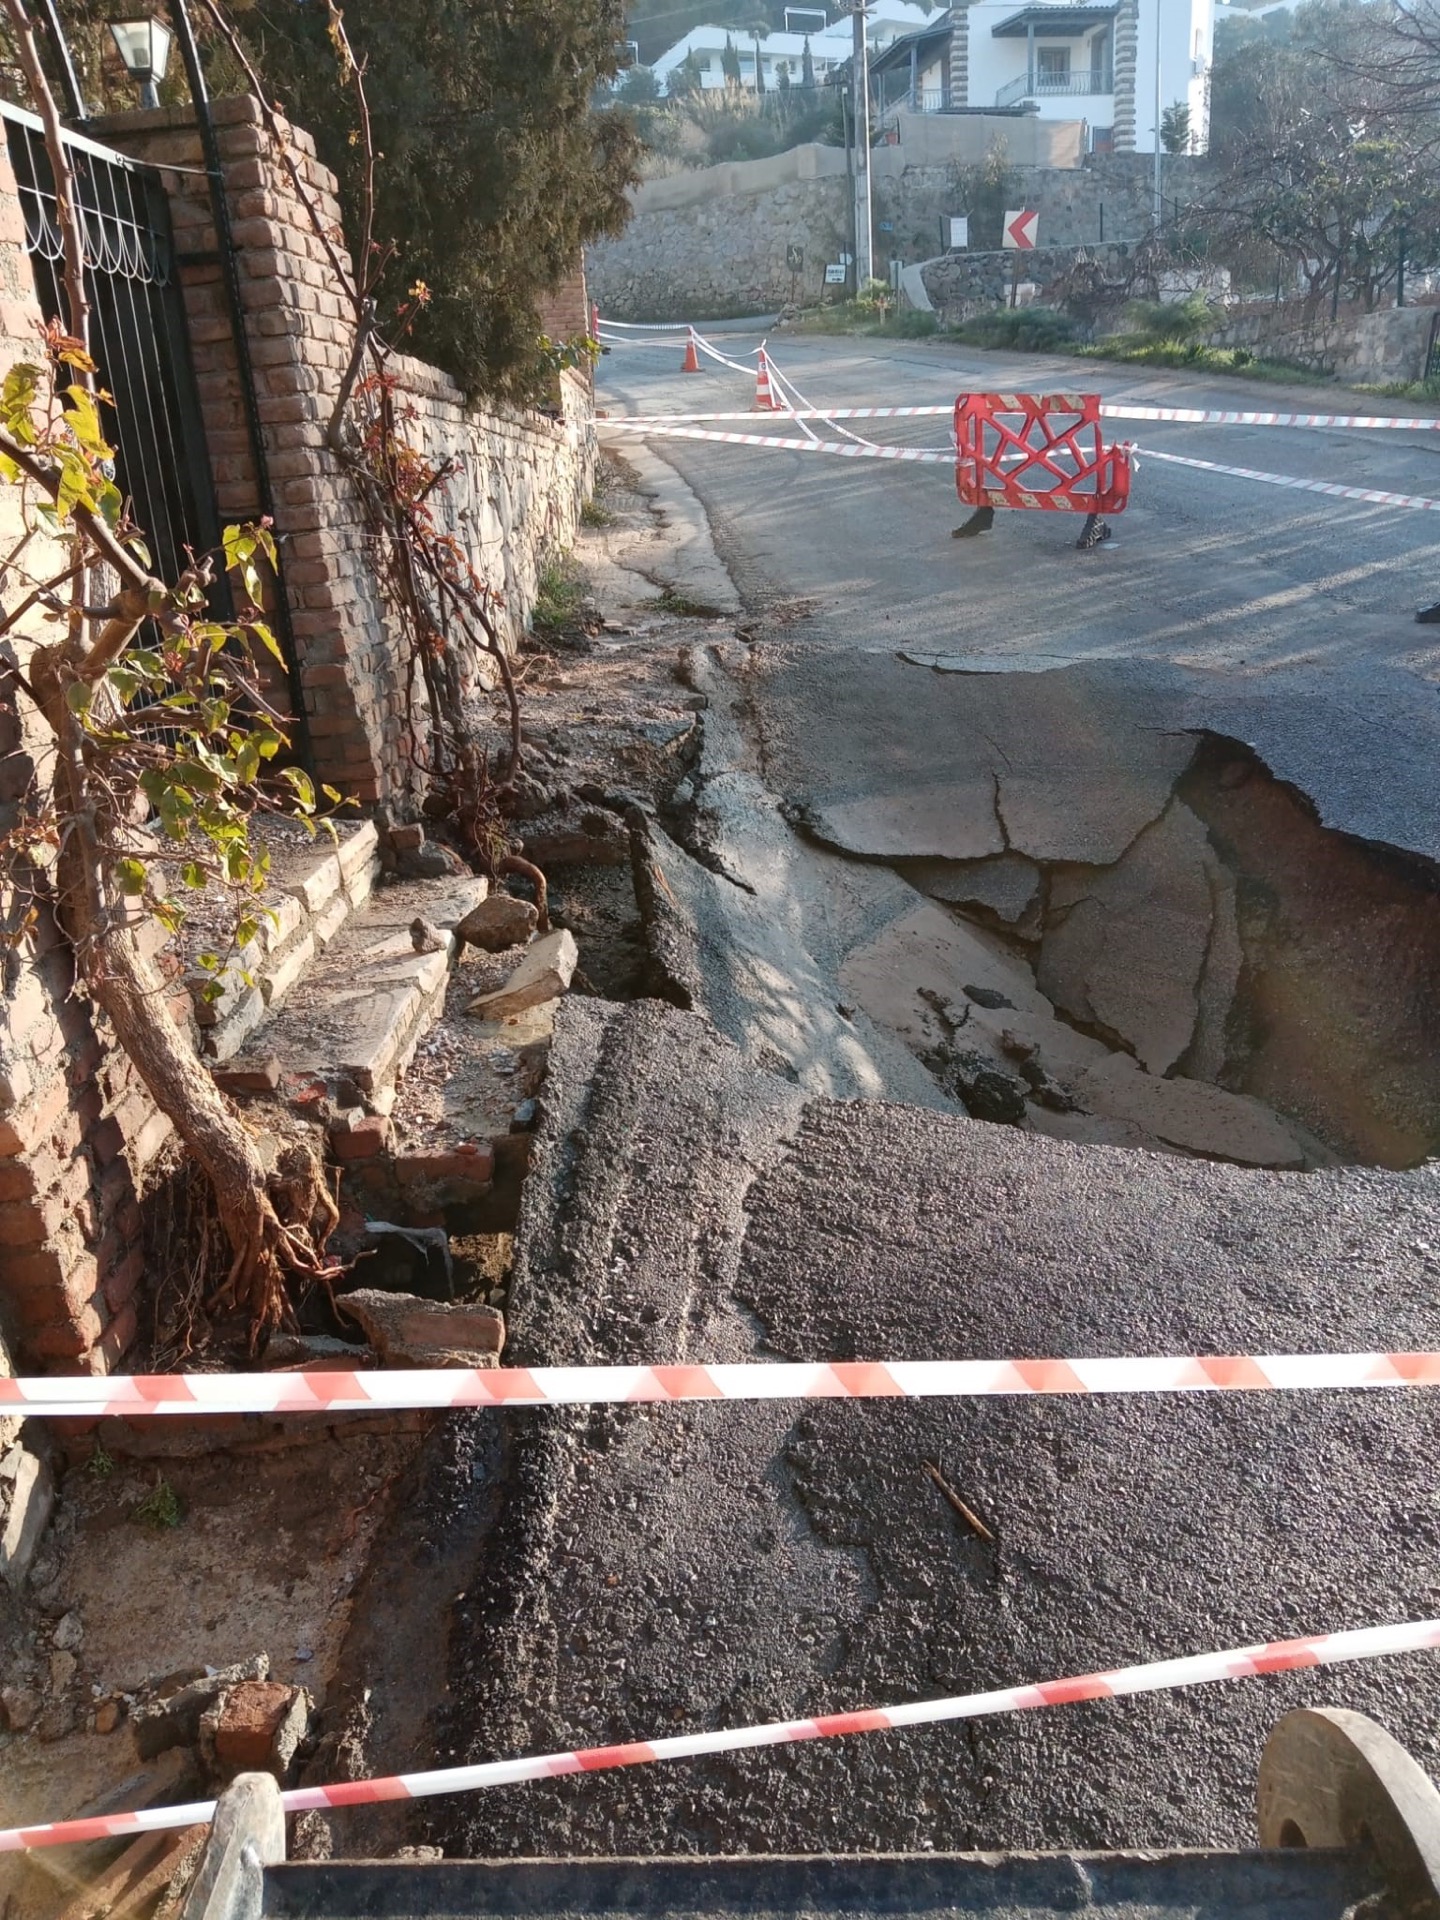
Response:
column 1241, row 983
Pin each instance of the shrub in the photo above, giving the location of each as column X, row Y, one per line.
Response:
column 1025, row 330
column 1178, row 320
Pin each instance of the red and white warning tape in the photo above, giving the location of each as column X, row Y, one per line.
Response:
column 1211, row 417
column 790, row 413
column 846, row 449
column 1239, row 1663
column 647, row 326
column 1189, row 416
column 139, row 1395
column 1373, row 496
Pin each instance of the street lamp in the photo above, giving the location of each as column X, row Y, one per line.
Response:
column 1159, row 116
column 144, row 46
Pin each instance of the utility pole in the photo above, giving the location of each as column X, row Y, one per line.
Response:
column 860, row 97
column 1159, row 177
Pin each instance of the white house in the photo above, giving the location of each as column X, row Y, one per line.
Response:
column 1091, row 60
column 830, row 47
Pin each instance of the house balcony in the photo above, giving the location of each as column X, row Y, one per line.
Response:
column 1053, row 86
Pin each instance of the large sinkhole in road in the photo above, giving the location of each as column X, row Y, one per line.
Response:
column 1240, row 983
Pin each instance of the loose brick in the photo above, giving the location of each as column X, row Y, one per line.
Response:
column 120, row 1283
column 118, row 1338
column 364, row 1140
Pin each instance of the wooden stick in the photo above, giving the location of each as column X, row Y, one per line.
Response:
column 972, row 1520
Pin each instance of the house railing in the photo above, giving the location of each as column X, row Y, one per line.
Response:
column 1046, row 86
column 920, row 100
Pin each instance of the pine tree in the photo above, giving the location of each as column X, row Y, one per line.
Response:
column 496, row 166
column 730, row 63
column 807, row 65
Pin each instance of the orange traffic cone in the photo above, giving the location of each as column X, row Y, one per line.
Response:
column 691, row 362
column 765, row 401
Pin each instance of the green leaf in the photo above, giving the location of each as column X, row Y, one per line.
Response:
column 130, row 876
column 193, row 874
column 77, row 696
column 171, row 917
column 303, row 785
column 266, row 638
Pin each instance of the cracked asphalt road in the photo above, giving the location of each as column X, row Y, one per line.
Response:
column 651, row 1569
column 1281, row 619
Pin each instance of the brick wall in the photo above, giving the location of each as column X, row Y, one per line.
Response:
column 79, row 1133
column 299, row 335
column 76, row 1127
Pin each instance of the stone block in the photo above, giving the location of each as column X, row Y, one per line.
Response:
column 248, row 1076
column 362, row 1139
column 29, row 1489
column 259, row 1724
column 286, row 968
column 409, row 1332
column 544, row 974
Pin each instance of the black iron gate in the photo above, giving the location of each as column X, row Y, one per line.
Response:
column 138, row 333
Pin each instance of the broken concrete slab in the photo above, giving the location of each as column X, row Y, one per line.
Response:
column 409, row 1332
column 1065, row 766
column 1124, row 948
column 544, row 974
column 1007, row 886
column 927, row 961
column 950, row 820
column 1189, row 1115
column 1219, row 979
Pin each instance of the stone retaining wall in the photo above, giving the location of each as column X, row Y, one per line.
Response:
column 713, row 242
column 1393, row 344
column 963, row 284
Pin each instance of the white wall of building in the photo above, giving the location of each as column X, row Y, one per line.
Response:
column 1186, row 30
column 995, row 64
column 1187, row 43
column 886, row 21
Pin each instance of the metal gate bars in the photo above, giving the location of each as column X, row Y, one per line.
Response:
column 138, row 334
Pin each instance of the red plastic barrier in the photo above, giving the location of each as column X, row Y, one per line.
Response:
column 1043, row 450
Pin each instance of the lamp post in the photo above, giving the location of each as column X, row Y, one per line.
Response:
column 144, row 46
column 1159, row 177
column 860, row 88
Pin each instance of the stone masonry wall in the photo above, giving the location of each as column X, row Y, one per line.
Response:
column 722, row 252
column 523, row 475
column 1393, row 344
column 964, row 284
column 722, row 256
